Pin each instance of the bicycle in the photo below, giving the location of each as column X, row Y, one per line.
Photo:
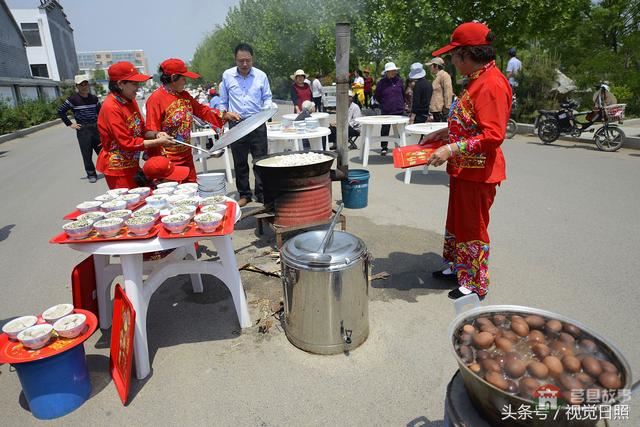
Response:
column 512, row 126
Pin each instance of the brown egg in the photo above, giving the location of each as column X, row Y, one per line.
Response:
column 610, row 380
column 571, row 329
column 510, row 335
column 561, row 348
column 587, row 346
column 541, row 350
column 528, row 386
column 482, row 354
column 469, row 329
column 585, row 379
column 520, row 327
column 554, row 364
column 504, row 344
column 516, row 318
column 466, row 354
column 475, row 368
column 572, row 398
column 484, row 321
column 491, row 329
column 483, row 340
column 499, row 319
column 490, row 365
column 512, row 387
column 534, row 321
column 497, row 380
column 571, row 364
column 553, row 326
column 538, row 370
column 510, row 355
column 515, row 368
column 569, row 382
column 466, row 338
column 592, row 366
column 608, row 367
column 536, row 336
column 566, row 338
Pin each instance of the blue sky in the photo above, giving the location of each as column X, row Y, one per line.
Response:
column 162, row 31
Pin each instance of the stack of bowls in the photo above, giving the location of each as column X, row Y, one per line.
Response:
column 300, row 126
column 211, row 184
column 311, row 123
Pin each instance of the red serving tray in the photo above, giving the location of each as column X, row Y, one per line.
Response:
column 121, row 353
column 14, row 352
column 93, row 237
column 192, row 230
column 76, row 213
column 414, row 155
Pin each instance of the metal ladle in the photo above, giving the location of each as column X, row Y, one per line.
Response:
column 327, row 237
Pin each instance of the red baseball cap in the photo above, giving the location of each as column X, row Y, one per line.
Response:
column 177, row 66
column 126, row 71
column 467, row 34
column 159, row 167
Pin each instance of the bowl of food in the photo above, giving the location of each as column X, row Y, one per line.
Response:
column 157, row 201
column 164, row 191
column 78, row 229
column 120, row 213
column 187, row 191
column 168, row 184
column 113, row 205
column 70, row 326
column 176, row 198
column 188, row 201
column 176, row 223
column 14, row 327
column 185, row 209
column 147, row 211
column 51, row 314
column 213, row 200
column 118, row 191
column 142, row 191
column 108, row 227
column 219, row 208
column 193, row 185
column 90, row 206
column 36, row 336
column 90, row 216
column 105, row 197
column 208, row 222
column 140, row 225
column 131, row 199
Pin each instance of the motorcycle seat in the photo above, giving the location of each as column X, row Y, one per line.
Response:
column 547, row 111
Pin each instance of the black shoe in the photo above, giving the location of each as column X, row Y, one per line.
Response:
column 384, row 152
column 92, row 179
column 441, row 275
column 456, row 293
column 353, row 146
column 333, row 147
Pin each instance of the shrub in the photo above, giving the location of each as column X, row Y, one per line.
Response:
column 27, row 114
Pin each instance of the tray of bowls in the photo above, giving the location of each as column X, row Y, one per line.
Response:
column 112, row 200
column 57, row 329
column 213, row 216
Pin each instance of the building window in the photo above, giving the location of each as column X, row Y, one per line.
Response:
column 31, row 33
column 39, row 70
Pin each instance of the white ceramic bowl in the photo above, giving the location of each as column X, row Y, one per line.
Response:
column 220, row 208
column 131, row 199
column 186, row 209
column 105, row 197
column 188, row 201
column 120, row 213
column 274, row 126
column 176, row 198
column 90, row 216
column 90, row 206
column 70, row 326
column 51, row 314
column 140, row 225
column 14, row 327
column 208, row 222
column 176, row 223
column 113, row 205
column 147, row 211
column 78, row 229
column 157, row 201
column 213, row 200
column 108, row 227
column 142, row 191
column 118, row 191
column 168, row 184
column 36, row 336
column 164, row 190
column 186, row 191
column 193, row 185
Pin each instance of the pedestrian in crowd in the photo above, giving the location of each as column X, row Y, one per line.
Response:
column 422, row 91
column 408, row 96
column 171, row 108
column 245, row 89
column 85, row 108
column 442, row 95
column 514, row 66
column 358, row 88
column 390, row 96
column 316, row 92
column 354, row 127
column 214, row 99
column 307, row 109
column 475, row 163
column 368, row 88
column 300, row 90
column 122, row 129
column 158, row 169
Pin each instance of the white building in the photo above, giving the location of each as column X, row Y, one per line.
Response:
column 50, row 46
column 103, row 59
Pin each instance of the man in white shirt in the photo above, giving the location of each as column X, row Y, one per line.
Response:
column 513, row 68
column 316, row 93
column 354, row 127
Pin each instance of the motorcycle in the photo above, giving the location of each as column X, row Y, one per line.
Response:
column 609, row 137
column 512, row 126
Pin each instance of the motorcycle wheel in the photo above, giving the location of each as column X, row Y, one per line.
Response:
column 512, row 128
column 548, row 131
column 609, row 138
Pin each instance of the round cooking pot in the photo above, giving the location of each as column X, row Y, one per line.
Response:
column 490, row 400
column 271, row 173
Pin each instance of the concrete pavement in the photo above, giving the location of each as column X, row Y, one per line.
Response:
column 564, row 238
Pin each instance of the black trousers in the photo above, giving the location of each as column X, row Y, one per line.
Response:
column 420, row 118
column 333, row 137
column 256, row 144
column 439, row 117
column 89, row 141
column 318, row 102
column 367, row 99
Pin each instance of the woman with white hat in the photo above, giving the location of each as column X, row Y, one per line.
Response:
column 300, row 90
column 390, row 96
column 421, row 94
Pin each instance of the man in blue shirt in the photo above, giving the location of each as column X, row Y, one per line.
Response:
column 245, row 90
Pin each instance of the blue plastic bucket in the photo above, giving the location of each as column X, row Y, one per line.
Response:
column 56, row 385
column 355, row 189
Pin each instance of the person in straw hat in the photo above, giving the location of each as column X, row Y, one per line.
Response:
column 442, row 90
column 476, row 128
column 390, row 96
column 300, row 90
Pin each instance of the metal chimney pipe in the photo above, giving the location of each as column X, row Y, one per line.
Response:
column 343, row 40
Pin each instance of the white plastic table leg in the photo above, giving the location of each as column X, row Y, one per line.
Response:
column 103, row 289
column 398, row 130
column 234, row 283
column 367, row 144
column 227, row 165
column 196, row 279
column 132, row 272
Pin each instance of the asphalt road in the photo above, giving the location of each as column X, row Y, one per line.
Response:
column 565, row 237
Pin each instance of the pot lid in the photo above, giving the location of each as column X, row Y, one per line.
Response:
column 343, row 249
column 243, row 128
